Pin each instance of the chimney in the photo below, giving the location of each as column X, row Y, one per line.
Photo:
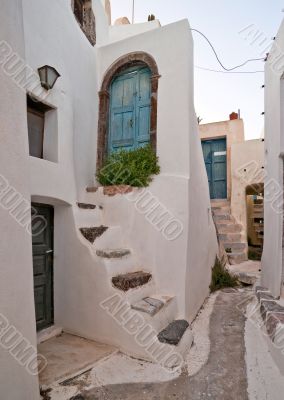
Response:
column 234, row 115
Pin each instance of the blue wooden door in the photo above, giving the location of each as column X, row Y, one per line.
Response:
column 215, row 157
column 130, row 106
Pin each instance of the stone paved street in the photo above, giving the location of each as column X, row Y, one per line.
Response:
column 223, row 377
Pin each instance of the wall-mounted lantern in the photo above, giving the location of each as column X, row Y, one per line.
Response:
column 48, row 76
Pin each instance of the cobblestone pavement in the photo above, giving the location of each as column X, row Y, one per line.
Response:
column 223, row 377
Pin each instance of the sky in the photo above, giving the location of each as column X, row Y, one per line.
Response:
column 225, row 23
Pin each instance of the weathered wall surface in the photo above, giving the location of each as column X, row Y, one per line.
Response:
column 202, row 240
column 233, row 130
column 274, row 150
column 16, row 272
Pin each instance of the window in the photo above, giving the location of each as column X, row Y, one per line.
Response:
column 42, row 130
column 84, row 15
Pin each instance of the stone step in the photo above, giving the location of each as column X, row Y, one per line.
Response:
column 264, row 296
column 174, row 332
column 258, row 206
column 86, row 206
column 160, row 318
column 112, row 253
column 228, row 228
column 235, row 246
column 246, row 278
column 117, row 190
column 237, row 258
column 126, row 264
column 219, row 203
column 275, row 325
column 91, row 189
column 221, row 210
column 88, row 218
column 229, row 237
column 170, row 346
column 113, row 238
column 258, row 214
column 151, row 305
column 223, row 217
column 131, row 280
column 272, row 314
column 92, row 233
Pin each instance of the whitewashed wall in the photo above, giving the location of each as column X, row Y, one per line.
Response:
column 274, row 150
column 182, row 185
column 181, row 267
column 16, row 272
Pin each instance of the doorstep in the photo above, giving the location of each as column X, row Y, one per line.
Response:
column 68, row 356
column 48, row 333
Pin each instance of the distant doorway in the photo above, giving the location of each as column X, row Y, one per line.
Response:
column 42, row 243
column 215, row 158
column 255, row 220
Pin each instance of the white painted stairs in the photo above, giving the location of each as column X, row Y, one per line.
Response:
column 160, row 311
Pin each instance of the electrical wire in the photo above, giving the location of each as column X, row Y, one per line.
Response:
column 217, row 57
column 228, row 72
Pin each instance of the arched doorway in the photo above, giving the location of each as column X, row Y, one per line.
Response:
column 144, row 66
column 255, row 220
column 130, row 108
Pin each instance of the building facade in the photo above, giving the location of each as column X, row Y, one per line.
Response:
column 63, row 260
column 272, row 259
column 235, row 171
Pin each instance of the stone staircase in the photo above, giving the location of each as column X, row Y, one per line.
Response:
column 126, row 276
column 229, row 232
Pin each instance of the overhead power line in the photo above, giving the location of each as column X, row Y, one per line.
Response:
column 228, row 72
column 217, row 57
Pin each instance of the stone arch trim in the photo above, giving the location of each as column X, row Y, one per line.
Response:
column 121, row 64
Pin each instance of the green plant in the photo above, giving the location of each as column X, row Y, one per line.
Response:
column 134, row 168
column 221, row 277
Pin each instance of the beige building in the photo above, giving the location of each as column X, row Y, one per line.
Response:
column 235, row 177
column 231, row 131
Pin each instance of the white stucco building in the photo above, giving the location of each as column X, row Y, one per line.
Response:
column 52, row 143
column 272, row 260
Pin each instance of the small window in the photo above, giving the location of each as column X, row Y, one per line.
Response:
column 42, row 130
column 36, row 129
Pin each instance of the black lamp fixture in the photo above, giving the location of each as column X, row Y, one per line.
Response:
column 48, row 76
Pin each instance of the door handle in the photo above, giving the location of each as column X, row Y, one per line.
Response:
column 49, row 252
column 131, row 123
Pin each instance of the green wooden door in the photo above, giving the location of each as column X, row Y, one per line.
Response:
column 215, row 157
column 42, row 240
column 130, row 107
